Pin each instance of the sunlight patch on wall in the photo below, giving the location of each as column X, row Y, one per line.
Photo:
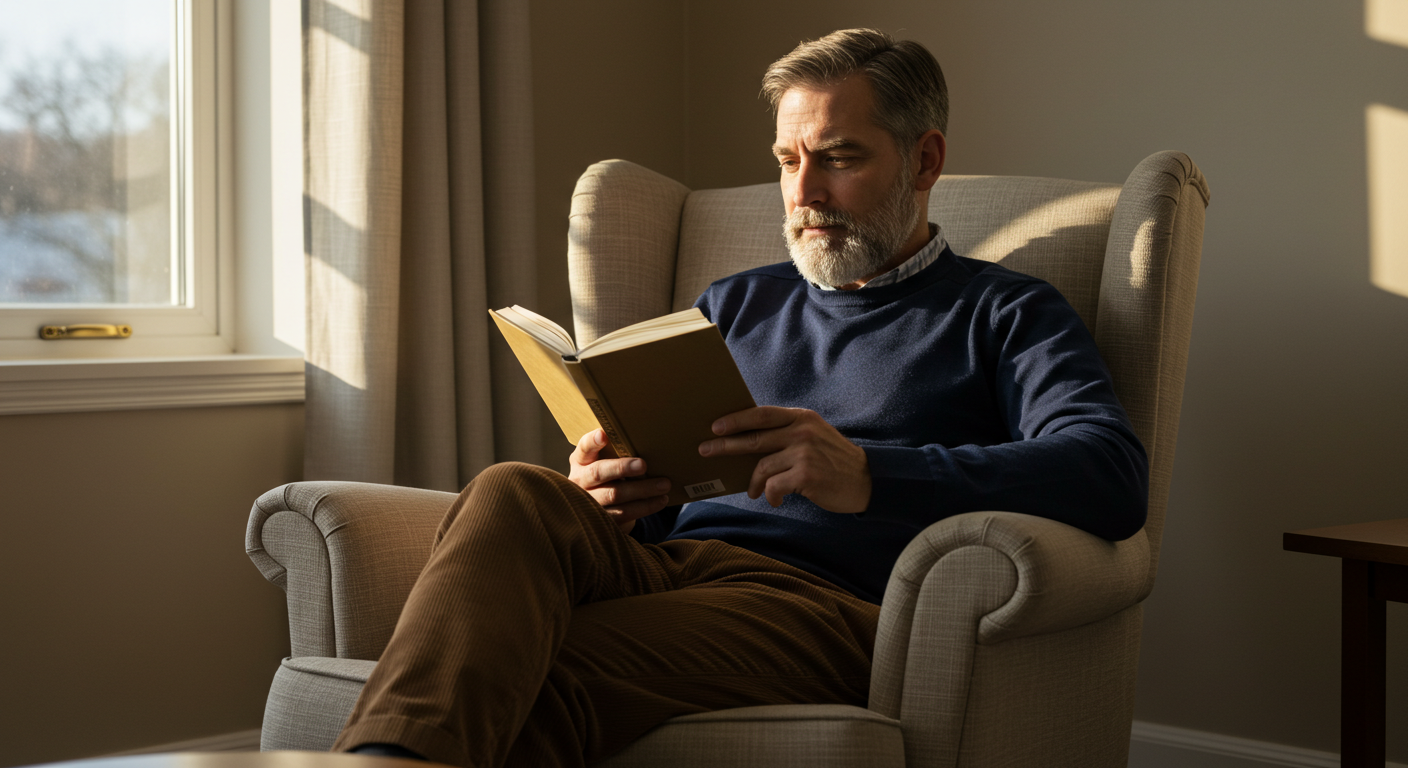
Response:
column 1388, row 197
column 1387, row 21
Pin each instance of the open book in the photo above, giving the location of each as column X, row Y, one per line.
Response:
column 655, row 387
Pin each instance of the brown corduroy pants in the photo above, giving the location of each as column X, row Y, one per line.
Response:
column 539, row 634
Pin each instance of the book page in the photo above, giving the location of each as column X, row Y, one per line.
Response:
column 662, row 327
column 540, row 328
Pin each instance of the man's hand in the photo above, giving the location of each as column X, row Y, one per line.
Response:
column 804, row 455
column 606, row 480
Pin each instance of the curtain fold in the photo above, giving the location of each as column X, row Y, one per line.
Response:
column 419, row 218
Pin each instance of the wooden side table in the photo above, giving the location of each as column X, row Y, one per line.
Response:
column 1375, row 568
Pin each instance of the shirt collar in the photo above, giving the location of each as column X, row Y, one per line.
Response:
column 911, row 266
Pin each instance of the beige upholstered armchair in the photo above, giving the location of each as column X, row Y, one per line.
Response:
column 1005, row 639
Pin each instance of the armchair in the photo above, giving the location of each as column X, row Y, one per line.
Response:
column 1004, row 639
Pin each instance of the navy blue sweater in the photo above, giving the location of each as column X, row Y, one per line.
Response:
column 970, row 387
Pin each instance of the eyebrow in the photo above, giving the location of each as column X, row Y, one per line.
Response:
column 779, row 150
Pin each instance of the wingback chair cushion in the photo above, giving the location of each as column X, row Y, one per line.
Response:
column 1004, row 639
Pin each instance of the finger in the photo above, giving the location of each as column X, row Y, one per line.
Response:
column 767, row 467
column 588, row 447
column 755, row 441
column 760, row 417
column 611, row 471
column 781, row 484
column 638, row 509
column 629, row 491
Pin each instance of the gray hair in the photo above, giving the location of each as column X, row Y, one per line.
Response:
column 910, row 95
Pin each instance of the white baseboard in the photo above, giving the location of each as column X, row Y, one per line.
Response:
column 239, row 741
column 1165, row 746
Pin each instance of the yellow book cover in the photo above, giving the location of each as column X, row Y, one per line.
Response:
column 655, row 387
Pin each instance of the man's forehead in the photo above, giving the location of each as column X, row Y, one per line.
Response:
column 827, row 117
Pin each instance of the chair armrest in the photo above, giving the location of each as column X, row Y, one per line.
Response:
column 986, row 577
column 347, row 555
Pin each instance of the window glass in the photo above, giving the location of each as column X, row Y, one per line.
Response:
column 86, row 148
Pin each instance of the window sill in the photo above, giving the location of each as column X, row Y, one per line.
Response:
column 59, row 386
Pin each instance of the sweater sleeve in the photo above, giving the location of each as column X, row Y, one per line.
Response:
column 1072, row 455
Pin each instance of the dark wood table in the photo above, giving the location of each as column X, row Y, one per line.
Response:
column 1375, row 568
column 287, row 759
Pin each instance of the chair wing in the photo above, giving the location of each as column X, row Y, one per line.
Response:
column 1054, row 229
column 724, row 231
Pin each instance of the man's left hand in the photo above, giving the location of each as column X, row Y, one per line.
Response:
column 804, row 455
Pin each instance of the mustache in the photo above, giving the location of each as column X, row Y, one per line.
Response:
column 802, row 218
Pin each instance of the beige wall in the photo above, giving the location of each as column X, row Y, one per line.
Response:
column 132, row 616
column 1295, row 404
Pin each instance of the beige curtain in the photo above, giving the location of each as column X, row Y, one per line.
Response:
column 419, row 217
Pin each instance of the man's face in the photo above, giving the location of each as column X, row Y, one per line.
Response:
column 850, row 195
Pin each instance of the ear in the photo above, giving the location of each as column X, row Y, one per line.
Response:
column 932, row 149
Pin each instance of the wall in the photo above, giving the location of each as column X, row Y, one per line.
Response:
column 1294, row 406
column 132, row 615
column 607, row 83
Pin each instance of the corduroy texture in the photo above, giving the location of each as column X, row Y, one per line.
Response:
column 1004, row 640
column 312, row 697
column 419, row 216
column 1127, row 260
column 539, row 633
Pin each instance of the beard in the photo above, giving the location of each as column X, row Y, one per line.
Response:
column 863, row 248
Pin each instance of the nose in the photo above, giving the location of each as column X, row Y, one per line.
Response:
column 809, row 185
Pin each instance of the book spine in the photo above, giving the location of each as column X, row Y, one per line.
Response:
column 601, row 409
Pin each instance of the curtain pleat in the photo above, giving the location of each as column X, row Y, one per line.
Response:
column 404, row 384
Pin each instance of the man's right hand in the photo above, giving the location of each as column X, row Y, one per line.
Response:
column 608, row 481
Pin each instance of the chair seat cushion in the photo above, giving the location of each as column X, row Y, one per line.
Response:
column 312, row 697
column 803, row 735
column 310, row 700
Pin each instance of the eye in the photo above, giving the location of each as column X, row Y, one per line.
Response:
column 787, row 163
column 838, row 161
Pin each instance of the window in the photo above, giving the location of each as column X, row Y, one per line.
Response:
column 162, row 192
column 108, row 178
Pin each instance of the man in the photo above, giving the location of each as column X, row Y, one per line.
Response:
column 560, row 618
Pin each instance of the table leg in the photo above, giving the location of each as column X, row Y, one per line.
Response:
column 1362, row 653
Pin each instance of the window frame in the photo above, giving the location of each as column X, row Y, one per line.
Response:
column 202, row 327
column 247, row 345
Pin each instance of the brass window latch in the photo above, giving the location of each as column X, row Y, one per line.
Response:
column 89, row 331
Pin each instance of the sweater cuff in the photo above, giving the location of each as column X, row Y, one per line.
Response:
column 901, row 484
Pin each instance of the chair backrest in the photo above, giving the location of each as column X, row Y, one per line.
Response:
column 642, row 245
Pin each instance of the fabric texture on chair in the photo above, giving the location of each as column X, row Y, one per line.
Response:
column 313, row 540
column 1025, row 224
column 1004, row 639
column 310, row 701
column 626, row 210
column 724, row 231
column 1148, row 288
column 818, row 736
